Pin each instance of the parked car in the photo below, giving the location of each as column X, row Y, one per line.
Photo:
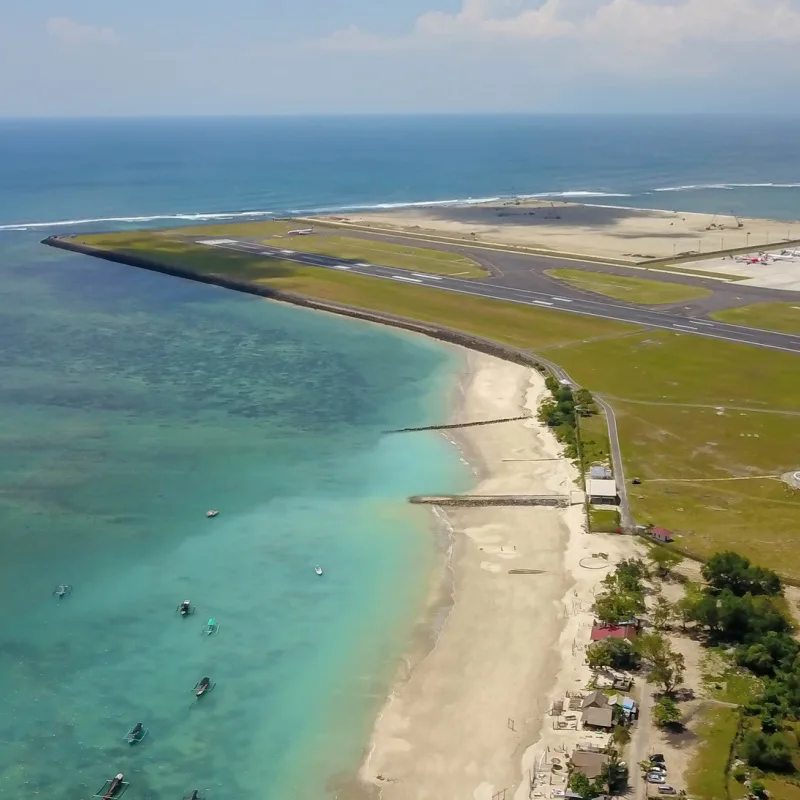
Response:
column 658, row 758
column 656, row 777
column 667, row 790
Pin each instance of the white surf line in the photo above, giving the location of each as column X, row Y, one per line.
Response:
column 423, row 275
column 403, row 278
column 684, row 327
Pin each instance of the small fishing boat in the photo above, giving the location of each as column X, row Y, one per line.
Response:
column 195, row 795
column 113, row 788
column 185, row 609
column 211, row 627
column 203, row 686
column 318, row 570
column 211, row 513
column 62, row 590
column 136, row 733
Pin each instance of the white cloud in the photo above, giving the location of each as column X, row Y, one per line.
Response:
column 69, row 32
column 613, row 28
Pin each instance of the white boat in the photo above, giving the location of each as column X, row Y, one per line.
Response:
column 318, row 570
column 211, row 513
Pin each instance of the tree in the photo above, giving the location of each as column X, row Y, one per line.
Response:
column 770, row 753
column 586, row 788
column 686, row 607
column 731, row 571
column 663, row 561
column 614, row 607
column 666, row 667
column 616, row 653
column 614, row 774
column 666, row 713
column 661, row 613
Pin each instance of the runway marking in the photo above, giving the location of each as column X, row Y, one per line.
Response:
column 363, row 264
column 706, row 324
column 541, row 303
column 562, row 299
column 216, row 242
column 421, row 275
column 403, row 278
column 684, row 327
column 340, row 266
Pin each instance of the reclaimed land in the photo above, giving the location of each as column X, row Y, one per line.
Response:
column 690, row 408
column 326, row 241
column 783, row 317
column 632, row 290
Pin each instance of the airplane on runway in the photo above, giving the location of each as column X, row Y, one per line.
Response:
column 782, row 257
column 759, row 259
column 301, row 232
column 790, row 253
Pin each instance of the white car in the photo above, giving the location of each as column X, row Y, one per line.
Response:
column 656, row 777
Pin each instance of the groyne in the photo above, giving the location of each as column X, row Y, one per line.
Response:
column 479, row 501
column 459, row 425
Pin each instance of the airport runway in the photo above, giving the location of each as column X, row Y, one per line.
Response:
column 508, row 284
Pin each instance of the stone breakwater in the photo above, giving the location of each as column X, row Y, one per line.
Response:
column 434, row 331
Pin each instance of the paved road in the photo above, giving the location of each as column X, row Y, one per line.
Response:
column 504, row 287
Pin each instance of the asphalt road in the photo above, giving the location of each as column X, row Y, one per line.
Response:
column 520, row 279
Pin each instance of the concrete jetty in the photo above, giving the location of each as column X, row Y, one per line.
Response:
column 476, row 500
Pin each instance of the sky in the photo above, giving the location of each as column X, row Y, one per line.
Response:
column 209, row 57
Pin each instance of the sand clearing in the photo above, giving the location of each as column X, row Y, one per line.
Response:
column 460, row 725
column 570, row 228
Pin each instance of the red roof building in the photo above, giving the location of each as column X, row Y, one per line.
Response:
column 600, row 632
column 661, row 534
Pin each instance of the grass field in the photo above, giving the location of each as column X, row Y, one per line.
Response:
column 707, row 778
column 675, row 449
column 387, row 254
column 516, row 325
column 663, row 441
column 633, row 290
column 783, row 317
column 603, row 520
column 594, row 440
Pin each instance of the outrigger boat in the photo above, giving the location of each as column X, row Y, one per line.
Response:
column 195, row 795
column 185, row 609
column 318, row 570
column 203, row 686
column 116, row 787
column 211, row 513
column 136, row 733
column 211, row 627
column 62, row 590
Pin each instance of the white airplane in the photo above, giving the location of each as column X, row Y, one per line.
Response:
column 302, row 232
column 751, row 259
column 790, row 253
column 781, row 257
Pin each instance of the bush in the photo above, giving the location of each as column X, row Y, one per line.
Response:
column 769, row 753
column 666, row 713
column 617, row 653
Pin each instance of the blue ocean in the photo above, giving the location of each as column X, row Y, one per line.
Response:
column 130, row 403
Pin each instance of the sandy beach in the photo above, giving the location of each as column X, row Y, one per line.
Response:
column 467, row 720
column 571, row 228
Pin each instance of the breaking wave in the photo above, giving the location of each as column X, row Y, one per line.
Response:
column 200, row 217
column 727, row 187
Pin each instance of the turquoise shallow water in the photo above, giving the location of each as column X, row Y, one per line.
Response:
column 130, row 403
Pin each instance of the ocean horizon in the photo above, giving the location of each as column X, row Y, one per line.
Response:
column 132, row 403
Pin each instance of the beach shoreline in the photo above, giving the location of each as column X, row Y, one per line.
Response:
column 466, row 715
column 486, row 656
